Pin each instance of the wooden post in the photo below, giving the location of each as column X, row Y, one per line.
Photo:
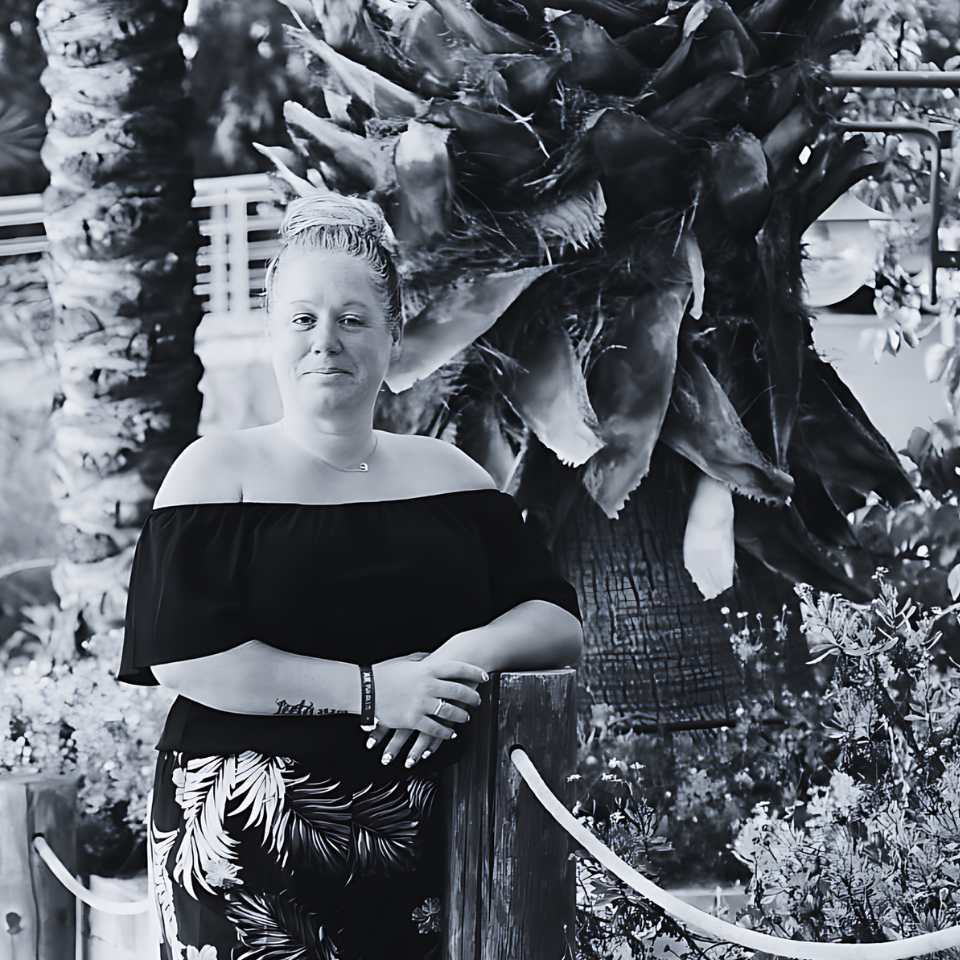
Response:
column 510, row 892
column 37, row 914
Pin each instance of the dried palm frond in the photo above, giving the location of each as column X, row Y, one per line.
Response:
column 647, row 155
column 20, row 135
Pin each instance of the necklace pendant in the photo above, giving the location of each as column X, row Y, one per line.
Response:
column 362, row 467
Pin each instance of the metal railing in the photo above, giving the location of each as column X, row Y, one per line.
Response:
column 240, row 222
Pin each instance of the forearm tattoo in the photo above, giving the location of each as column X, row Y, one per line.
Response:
column 304, row 709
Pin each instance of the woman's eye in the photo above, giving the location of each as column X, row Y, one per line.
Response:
column 351, row 320
column 302, row 318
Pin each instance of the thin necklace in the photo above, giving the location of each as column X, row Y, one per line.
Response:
column 361, row 467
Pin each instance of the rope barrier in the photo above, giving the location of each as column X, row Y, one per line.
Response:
column 21, row 565
column 94, row 900
column 714, row 927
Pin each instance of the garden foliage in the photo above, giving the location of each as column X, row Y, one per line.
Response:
column 238, row 74
column 874, row 854
column 858, row 836
column 64, row 713
column 918, row 540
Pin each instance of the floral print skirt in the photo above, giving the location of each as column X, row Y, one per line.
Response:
column 256, row 857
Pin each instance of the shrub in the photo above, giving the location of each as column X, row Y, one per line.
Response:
column 63, row 713
column 846, row 813
column 874, row 853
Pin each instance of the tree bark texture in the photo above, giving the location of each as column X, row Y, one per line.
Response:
column 123, row 244
column 653, row 648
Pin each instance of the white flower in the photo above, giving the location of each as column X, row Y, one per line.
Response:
column 206, row 952
column 845, row 793
column 221, row 873
column 427, row 916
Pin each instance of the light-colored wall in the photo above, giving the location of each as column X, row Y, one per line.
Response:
column 238, row 386
column 894, row 390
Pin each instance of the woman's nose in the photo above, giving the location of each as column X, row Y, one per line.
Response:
column 326, row 338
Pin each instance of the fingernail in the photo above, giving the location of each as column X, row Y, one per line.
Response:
column 425, row 754
column 386, row 758
column 486, row 677
column 371, row 743
column 453, row 736
column 409, row 762
column 468, row 717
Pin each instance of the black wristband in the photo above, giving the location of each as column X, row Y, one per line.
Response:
column 368, row 719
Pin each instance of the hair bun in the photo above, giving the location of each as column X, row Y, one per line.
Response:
column 334, row 210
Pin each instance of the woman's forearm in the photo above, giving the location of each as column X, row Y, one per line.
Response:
column 255, row 678
column 534, row 635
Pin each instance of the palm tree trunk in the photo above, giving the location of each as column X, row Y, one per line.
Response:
column 121, row 272
column 653, row 648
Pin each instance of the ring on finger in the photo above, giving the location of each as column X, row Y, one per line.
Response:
column 440, row 705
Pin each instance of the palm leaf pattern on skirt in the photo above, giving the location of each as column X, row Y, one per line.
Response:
column 257, row 781
column 275, row 928
column 314, row 822
column 275, row 805
column 384, row 831
column 422, row 792
column 207, row 784
column 160, row 843
column 262, row 781
column 315, row 825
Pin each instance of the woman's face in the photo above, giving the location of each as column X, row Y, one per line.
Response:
column 330, row 338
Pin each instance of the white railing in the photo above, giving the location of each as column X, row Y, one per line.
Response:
column 25, row 211
column 238, row 218
column 238, row 221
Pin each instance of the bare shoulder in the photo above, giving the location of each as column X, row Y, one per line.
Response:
column 209, row 469
column 440, row 464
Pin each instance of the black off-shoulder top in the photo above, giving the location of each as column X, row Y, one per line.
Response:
column 358, row 582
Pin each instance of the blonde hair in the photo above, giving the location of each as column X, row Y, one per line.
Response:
column 338, row 224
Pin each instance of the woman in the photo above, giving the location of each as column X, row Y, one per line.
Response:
column 297, row 580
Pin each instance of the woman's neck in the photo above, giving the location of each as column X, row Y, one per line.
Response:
column 340, row 444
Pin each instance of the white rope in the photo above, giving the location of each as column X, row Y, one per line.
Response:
column 81, row 892
column 713, row 926
column 19, row 565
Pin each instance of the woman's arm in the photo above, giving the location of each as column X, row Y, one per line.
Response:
column 258, row 679
column 255, row 678
column 534, row 635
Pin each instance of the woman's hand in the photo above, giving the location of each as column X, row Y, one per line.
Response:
column 408, row 691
